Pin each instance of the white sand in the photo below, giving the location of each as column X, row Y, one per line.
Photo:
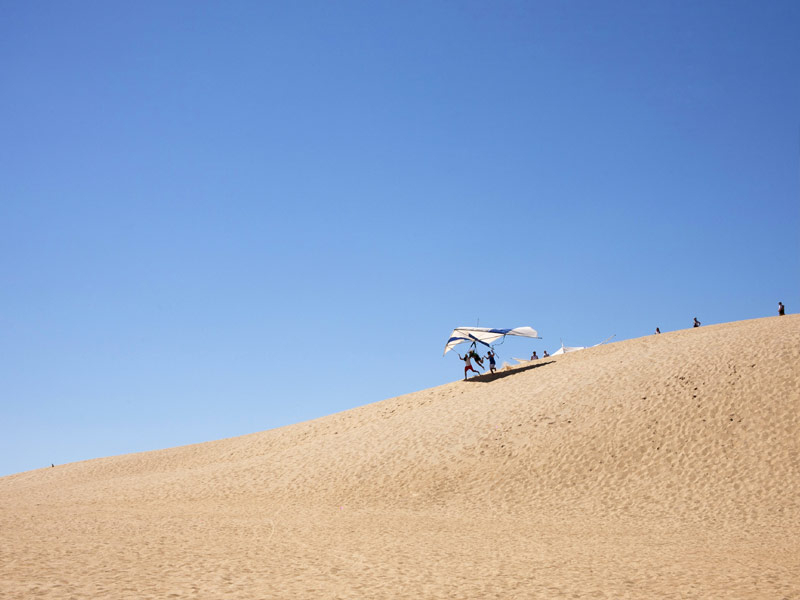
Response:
column 661, row 467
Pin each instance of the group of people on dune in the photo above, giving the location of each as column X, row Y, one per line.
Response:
column 473, row 355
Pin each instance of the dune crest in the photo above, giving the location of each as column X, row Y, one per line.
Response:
column 661, row 467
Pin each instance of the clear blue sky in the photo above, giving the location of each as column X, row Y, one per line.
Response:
column 223, row 217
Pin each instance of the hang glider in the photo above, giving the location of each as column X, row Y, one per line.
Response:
column 564, row 349
column 485, row 335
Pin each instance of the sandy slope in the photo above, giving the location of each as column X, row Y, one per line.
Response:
column 661, row 467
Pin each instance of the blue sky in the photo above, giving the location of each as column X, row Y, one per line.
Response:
column 220, row 218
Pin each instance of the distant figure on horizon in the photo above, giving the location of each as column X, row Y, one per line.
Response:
column 490, row 356
column 781, row 310
column 659, row 331
column 696, row 322
column 467, row 365
column 533, row 356
column 545, row 354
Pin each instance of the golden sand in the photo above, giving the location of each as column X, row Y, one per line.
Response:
column 660, row 467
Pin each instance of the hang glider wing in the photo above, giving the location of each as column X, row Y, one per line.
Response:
column 564, row 349
column 485, row 335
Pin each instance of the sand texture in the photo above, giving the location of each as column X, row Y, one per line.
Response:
column 660, row 467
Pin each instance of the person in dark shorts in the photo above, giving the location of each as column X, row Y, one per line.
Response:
column 490, row 356
column 474, row 355
column 781, row 310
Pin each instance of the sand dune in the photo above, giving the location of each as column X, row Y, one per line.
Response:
column 660, row 467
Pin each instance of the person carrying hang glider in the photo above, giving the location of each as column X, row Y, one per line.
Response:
column 490, row 356
column 467, row 364
column 474, row 355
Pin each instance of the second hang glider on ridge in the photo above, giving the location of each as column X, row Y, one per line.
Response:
column 485, row 335
column 564, row 349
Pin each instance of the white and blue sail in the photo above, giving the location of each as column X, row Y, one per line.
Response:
column 485, row 335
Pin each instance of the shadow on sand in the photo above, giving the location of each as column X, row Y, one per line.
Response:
column 486, row 377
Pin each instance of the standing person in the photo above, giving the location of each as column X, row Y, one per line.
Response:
column 696, row 322
column 467, row 365
column 781, row 311
column 659, row 331
column 490, row 356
